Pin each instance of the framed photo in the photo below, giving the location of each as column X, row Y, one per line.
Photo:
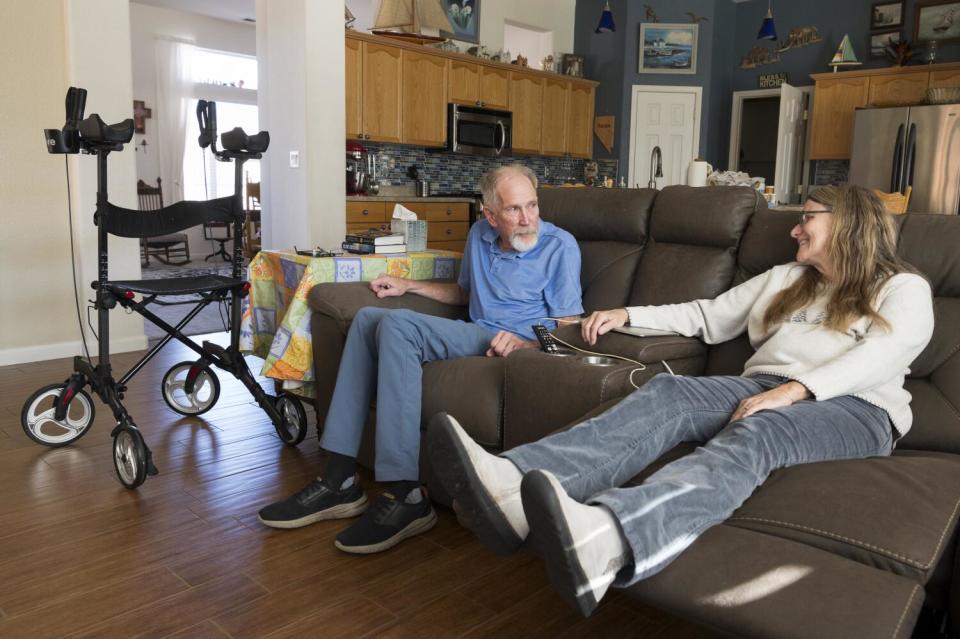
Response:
column 464, row 15
column 668, row 48
column 938, row 20
column 886, row 15
column 880, row 39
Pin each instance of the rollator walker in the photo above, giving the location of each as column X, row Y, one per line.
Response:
column 59, row 414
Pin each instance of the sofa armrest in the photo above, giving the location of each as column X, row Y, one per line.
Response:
column 649, row 350
column 340, row 301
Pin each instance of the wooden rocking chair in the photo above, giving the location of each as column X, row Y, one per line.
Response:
column 165, row 248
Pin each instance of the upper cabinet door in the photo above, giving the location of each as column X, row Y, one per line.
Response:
column 834, row 104
column 424, row 105
column 526, row 102
column 464, row 83
column 354, row 85
column 382, row 71
column 554, row 120
column 494, row 87
column 580, row 121
column 898, row 90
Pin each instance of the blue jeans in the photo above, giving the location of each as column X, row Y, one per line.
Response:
column 667, row 512
column 385, row 350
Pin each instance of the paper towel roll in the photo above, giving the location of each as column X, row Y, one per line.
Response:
column 697, row 173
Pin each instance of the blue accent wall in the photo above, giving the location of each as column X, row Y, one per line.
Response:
column 727, row 35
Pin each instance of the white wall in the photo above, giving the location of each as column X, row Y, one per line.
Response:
column 301, row 98
column 549, row 15
column 146, row 24
column 45, row 47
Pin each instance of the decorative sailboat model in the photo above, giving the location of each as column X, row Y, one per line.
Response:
column 409, row 18
column 844, row 57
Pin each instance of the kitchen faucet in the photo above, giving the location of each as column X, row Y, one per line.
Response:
column 656, row 170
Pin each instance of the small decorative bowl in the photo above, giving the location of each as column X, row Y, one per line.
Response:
column 943, row 95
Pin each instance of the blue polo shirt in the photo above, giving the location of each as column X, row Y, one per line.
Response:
column 512, row 291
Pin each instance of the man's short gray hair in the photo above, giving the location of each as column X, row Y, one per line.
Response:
column 492, row 178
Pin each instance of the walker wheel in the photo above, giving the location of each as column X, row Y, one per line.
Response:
column 130, row 456
column 206, row 389
column 293, row 427
column 40, row 425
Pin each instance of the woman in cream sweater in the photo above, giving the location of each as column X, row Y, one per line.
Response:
column 834, row 334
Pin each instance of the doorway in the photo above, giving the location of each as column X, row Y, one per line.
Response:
column 667, row 117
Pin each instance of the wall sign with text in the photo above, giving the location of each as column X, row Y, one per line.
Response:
column 772, row 80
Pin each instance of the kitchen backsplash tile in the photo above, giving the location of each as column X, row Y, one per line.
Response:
column 831, row 171
column 448, row 172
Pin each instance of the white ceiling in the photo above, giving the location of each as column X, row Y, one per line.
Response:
column 232, row 10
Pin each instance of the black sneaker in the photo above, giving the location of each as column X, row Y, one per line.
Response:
column 385, row 524
column 313, row 503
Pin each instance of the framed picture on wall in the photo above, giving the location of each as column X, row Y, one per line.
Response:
column 668, row 48
column 937, row 20
column 886, row 15
column 880, row 39
column 464, row 15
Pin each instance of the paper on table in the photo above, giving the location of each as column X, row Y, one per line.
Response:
column 400, row 212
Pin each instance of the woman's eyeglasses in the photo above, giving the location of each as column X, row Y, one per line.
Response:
column 806, row 216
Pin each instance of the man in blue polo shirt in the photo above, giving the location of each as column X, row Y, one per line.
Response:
column 517, row 271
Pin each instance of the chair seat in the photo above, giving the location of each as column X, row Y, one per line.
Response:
column 177, row 285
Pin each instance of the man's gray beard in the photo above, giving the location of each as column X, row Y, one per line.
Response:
column 523, row 242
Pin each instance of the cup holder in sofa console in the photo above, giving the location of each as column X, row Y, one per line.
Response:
column 599, row 360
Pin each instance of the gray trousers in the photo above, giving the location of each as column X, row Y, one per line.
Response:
column 667, row 512
column 385, row 352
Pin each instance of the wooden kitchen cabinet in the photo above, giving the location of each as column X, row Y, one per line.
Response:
column 897, row 90
column 424, row 99
column 381, row 92
column 553, row 121
column 580, row 121
column 838, row 95
column 494, row 88
column 353, row 55
column 834, row 103
column 464, row 83
column 526, row 102
column 447, row 222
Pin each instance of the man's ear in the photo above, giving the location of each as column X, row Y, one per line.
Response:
column 491, row 217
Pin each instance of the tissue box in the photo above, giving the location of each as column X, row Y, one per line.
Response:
column 414, row 233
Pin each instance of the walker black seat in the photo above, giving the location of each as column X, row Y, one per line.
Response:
column 93, row 129
column 177, row 285
column 237, row 139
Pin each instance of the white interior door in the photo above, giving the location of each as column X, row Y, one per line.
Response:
column 668, row 117
column 790, row 138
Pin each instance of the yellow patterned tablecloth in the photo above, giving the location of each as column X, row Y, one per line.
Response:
column 276, row 316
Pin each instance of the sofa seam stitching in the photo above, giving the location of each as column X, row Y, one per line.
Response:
column 906, row 606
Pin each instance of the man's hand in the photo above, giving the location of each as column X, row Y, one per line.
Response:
column 602, row 322
column 783, row 395
column 390, row 286
column 505, row 342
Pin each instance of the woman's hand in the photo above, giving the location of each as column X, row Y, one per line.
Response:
column 602, row 322
column 505, row 342
column 783, row 395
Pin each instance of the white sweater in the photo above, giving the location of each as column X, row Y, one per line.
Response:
column 866, row 361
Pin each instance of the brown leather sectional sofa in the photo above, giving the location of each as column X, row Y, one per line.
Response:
column 836, row 549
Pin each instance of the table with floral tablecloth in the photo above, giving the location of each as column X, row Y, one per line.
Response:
column 276, row 316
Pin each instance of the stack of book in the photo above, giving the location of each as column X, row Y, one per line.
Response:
column 374, row 241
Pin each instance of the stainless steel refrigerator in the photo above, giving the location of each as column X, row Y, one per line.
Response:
column 916, row 146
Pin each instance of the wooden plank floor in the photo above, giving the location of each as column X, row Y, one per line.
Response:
column 184, row 556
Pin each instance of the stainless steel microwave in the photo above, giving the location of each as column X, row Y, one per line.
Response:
column 479, row 131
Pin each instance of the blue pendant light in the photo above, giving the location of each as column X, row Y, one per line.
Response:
column 606, row 20
column 767, row 30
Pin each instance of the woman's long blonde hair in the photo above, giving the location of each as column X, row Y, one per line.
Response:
column 863, row 251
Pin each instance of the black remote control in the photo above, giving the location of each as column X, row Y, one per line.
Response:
column 547, row 343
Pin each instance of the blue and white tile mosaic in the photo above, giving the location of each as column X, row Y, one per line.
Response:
column 831, row 171
column 450, row 172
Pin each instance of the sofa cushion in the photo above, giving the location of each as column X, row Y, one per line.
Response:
column 694, row 237
column 453, row 386
column 748, row 584
column 340, row 301
column 895, row 513
column 766, row 243
column 930, row 242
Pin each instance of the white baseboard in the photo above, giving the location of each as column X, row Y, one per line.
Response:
column 42, row 352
